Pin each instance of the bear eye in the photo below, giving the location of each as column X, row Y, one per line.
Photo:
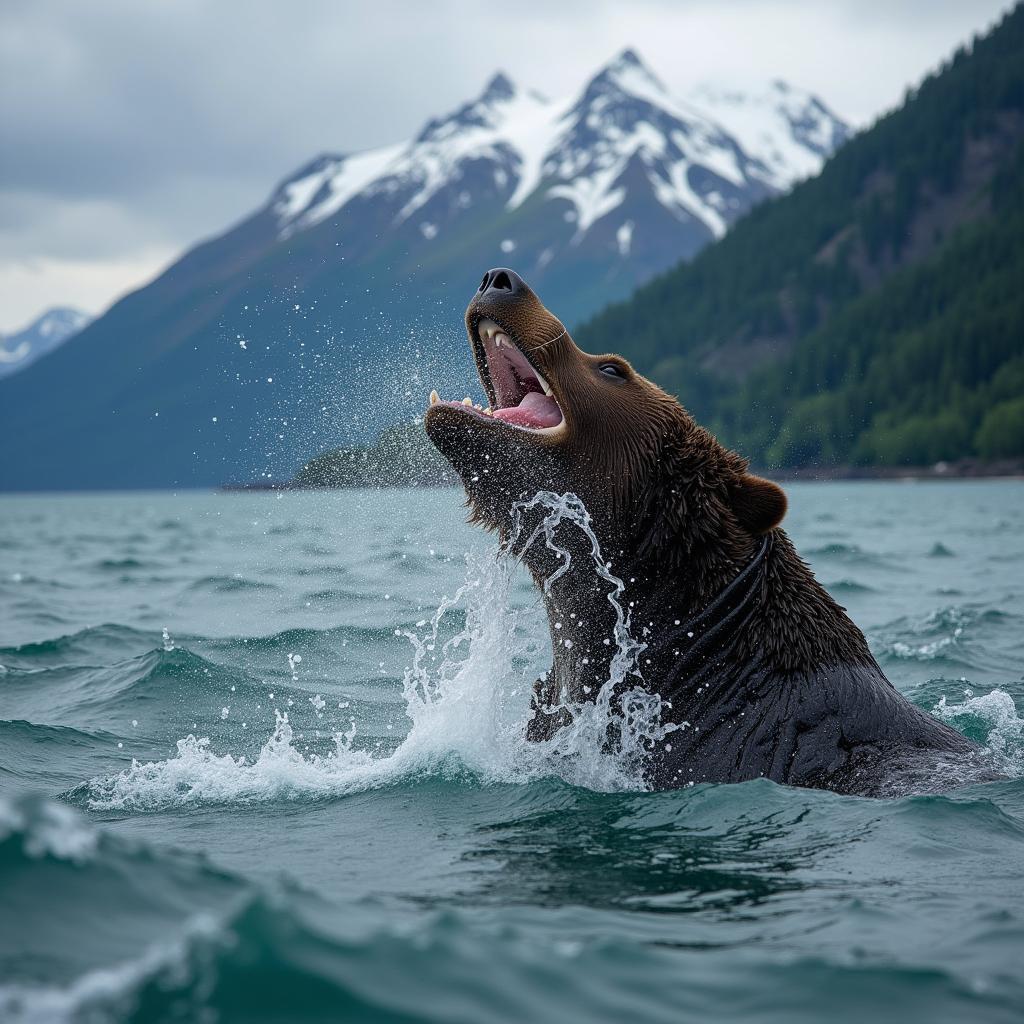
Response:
column 612, row 370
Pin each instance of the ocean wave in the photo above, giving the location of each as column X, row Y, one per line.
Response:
column 264, row 960
column 930, row 651
column 952, row 635
column 53, row 755
column 146, row 702
column 267, row 963
column 196, row 942
column 361, row 648
column 93, row 642
column 65, row 734
column 33, row 829
column 302, row 638
column 116, row 648
column 163, row 689
column 57, row 855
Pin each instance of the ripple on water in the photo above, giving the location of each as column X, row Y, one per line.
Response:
column 236, row 584
column 333, row 595
column 952, row 635
column 120, row 564
column 850, row 554
column 849, row 586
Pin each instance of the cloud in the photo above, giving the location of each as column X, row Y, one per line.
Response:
column 80, row 281
column 133, row 128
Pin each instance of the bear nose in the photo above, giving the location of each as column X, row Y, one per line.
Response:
column 501, row 283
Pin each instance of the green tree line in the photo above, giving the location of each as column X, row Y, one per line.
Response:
column 875, row 315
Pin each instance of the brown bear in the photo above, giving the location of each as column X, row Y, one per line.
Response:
column 759, row 670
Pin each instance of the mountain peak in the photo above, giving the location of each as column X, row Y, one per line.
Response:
column 44, row 333
column 627, row 58
column 56, row 317
column 629, row 72
column 499, row 88
column 486, row 111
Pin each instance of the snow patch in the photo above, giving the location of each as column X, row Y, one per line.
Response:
column 787, row 130
column 592, row 197
column 15, row 354
column 624, row 237
column 342, row 181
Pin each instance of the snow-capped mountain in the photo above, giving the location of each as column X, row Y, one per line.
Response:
column 623, row 172
column 333, row 309
column 42, row 335
column 787, row 130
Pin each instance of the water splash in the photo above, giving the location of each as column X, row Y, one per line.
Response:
column 630, row 713
column 992, row 719
column 467, row 695
column 199, row 775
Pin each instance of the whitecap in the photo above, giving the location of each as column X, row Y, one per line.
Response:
column 996, row 715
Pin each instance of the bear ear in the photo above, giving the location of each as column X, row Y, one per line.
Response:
column 758, row 504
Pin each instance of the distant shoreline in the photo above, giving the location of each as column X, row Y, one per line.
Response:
column 963, row 469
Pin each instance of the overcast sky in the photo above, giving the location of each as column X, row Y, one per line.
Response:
column 130, row 129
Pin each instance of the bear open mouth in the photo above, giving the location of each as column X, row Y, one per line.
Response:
column 517, row 392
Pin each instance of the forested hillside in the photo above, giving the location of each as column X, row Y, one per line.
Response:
column 401, row 457
column 875, row 315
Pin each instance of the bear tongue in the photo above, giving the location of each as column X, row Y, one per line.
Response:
column 536, row 410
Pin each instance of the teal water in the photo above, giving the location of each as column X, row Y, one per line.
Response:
column 249, row 772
